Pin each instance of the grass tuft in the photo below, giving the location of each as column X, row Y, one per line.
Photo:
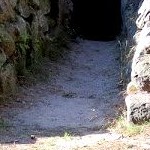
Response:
column 67, row 136
column 128, row 129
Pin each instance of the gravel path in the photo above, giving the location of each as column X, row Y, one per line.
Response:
column 83, row 95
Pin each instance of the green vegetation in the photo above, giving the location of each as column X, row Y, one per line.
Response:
column 67, row 136
column 38, row 52
column 128, row 129
column 23, row 43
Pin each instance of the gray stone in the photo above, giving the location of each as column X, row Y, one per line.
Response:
column 2, row 57
column 42, row 21
column 6, row 11
column 144, row 14
column 45, row 6
column 138, row 107
column 141, row 73
column 6, row 42
column 140, row 64
column 17, row 28
column 13, row 3
column 24, row 8
column 8, row 82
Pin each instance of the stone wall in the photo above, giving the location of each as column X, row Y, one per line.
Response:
column 129, row 15
column 26, row 27
column 136, row 16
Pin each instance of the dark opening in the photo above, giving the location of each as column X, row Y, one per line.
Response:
column 54, row 10
column 97, row 20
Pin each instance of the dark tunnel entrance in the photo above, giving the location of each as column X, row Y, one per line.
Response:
column 97, row 20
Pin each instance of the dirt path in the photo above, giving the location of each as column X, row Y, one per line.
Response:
column 78, row 101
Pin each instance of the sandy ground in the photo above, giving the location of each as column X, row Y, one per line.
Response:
column 70, row 110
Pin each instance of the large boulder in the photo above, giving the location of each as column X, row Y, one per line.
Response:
column 138, row 107
column 138, row 99
column 140, row 65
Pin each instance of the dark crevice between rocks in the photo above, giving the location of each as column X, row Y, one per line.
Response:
column 54, row 13
column 97, row 20
column 29, row 19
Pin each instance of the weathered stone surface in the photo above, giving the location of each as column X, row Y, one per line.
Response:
column 8, row 80
column 142, row 50
column 38, row 36
column 44, row 6
column 42, row 22
column 24, row 8
column 7, row 43
column 2, row 57
column 129, row 10
column 24, row 27
column 144, row 14
column 17, row 28
column 35, row 3
column 138, row 107
column 142, row 34
column 140, row 65
column 6, row 11
column 142, row 73
column 136, row 18
column 13, row 3
column 40, row 5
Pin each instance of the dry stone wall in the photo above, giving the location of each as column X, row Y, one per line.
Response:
column 136, row 16
column 25, row 30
